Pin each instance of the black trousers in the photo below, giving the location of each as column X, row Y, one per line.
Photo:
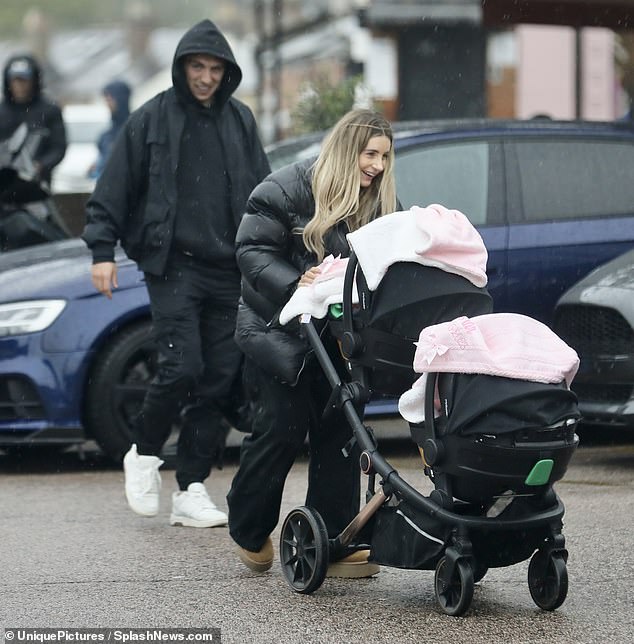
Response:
column 281, row 417
column 194, row 309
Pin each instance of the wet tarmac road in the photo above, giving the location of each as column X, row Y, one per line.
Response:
column 73, row 555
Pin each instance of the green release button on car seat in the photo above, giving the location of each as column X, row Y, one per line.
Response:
column 540, row 473
column 336, row 311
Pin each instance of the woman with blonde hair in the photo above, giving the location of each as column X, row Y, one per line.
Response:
column 296, row 217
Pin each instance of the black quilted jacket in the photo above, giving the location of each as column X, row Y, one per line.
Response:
column 272, row 257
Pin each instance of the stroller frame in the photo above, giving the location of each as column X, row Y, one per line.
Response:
column 305, row 550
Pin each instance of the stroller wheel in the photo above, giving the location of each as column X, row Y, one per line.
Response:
column 548, row 579
column 454, row 594
column 304, row 550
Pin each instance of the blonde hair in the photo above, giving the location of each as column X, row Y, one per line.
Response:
column 336, row 180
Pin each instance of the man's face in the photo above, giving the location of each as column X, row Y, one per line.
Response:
column 21, row 89
column 204, row 74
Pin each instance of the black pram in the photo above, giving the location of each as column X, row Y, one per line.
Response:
column 493, row 451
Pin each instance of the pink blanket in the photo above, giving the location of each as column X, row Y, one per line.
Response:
column 432, row 236
column 498, row 344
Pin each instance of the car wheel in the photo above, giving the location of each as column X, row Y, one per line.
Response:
column 116, row 388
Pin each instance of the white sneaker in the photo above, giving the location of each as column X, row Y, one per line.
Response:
column 194, row 508
column 142, row 482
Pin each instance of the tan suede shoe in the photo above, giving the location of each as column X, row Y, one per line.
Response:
column 259, row 561
column 353, row 566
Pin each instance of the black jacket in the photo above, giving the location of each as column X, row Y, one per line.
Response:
column 272, row 256
column 40, row 114
column 135, row 199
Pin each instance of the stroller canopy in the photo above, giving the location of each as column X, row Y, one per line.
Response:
column 411, row 297
column 515, row 359
column 482, row 404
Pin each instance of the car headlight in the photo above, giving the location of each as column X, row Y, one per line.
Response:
column 28, row 317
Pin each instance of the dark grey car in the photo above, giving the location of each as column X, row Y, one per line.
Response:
column 596, row 317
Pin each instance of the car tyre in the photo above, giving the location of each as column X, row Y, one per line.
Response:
column 116, row 388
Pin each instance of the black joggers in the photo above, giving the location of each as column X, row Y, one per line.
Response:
column 282, row 416
column 194, row 309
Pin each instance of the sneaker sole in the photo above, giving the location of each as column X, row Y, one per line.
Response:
column 188, row 522
column 144, row 512
column 355, row 570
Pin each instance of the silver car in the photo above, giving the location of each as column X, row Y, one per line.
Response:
column 596, row 318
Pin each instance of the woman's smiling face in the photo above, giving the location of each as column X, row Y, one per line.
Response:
column 373, row 158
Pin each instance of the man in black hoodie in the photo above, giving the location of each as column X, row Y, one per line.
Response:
column 24, row 103
column 173, row 191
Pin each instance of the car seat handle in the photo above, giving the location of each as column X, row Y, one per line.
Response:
column 351, row 341
column 355, row 274
column 348, row 282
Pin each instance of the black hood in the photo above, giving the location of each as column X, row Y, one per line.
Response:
column 206, row 38
column 36, row 75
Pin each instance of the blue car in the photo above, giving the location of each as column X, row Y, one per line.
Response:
column 73, row 364
column 552, row 200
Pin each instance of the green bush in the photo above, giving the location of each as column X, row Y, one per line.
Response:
column 323, row 104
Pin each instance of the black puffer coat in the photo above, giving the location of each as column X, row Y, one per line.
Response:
column 272, row 256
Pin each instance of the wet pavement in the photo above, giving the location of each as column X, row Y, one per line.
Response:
column 73, row 555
